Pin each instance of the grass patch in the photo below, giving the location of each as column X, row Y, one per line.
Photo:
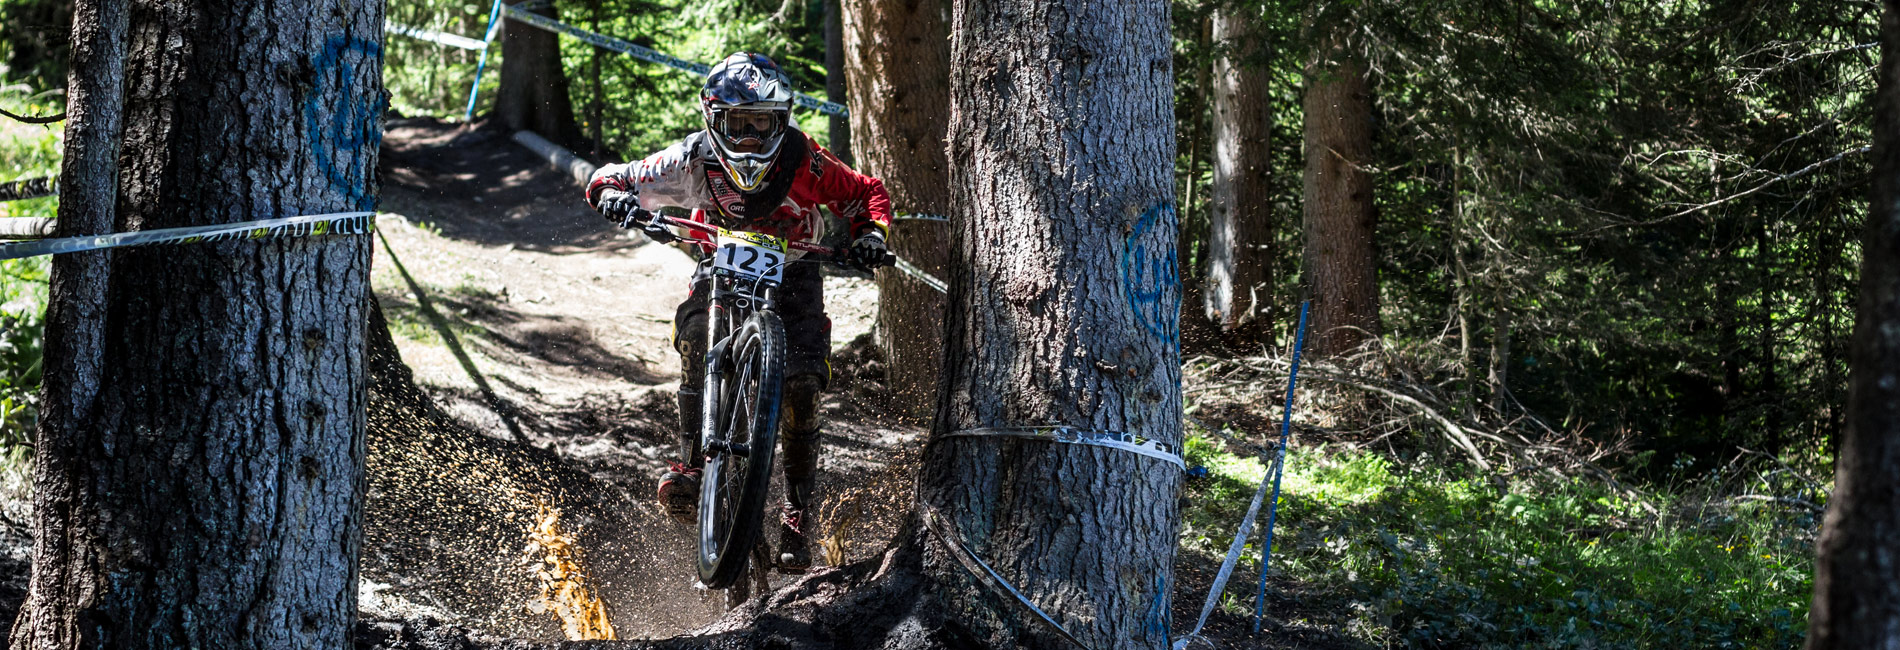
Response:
column 1433, row 557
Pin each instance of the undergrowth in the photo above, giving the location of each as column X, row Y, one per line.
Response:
column 1432, row 555
column 26, row 151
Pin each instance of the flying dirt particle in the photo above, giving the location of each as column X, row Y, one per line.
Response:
column 565, row 584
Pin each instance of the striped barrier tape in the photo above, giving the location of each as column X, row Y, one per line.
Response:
column 1226, row 566
column 26, row 227
column 945, row 530
column 28, row 188
column 912, row 270
column 432, row 36
column 990, row 579
column 651, row 55
column 1072, row 436
column 339, row 223
column 1253, row 509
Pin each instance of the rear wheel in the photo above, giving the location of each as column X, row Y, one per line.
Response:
column 740, row 438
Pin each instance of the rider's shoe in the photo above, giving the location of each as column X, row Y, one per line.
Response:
column 679, row 493
column 794, row 550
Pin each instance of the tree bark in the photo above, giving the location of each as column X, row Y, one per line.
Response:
column 75, row 327
column 533, row 92
column 1238, row 281
column 897, row 56
column 1341, row 273
column 835, row 82
column 1064, row 310
column 1856, row 599
column 206, row 492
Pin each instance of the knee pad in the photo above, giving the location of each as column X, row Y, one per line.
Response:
column 799, row 403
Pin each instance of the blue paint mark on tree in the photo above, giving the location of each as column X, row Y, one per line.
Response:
column 1160, row 618
column 1151, row 274
column 340, row 129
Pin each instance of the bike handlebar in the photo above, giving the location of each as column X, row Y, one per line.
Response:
column 829, row 254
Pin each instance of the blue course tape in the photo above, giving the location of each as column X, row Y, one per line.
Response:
column 340, row 223
column 652, row 56
column 1279, row 468
column 1226, row 566
column 494, row 20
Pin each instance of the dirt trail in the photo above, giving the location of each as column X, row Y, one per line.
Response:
column 567, row 321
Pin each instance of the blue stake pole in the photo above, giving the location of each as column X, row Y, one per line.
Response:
column 488, row 37
column 1279, row 465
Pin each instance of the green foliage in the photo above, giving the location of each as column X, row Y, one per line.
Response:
column 1645, row 216
column 425, row 78
column 22, row 327
column 1435, row 558
column 642, row 106
column 26, row 151
column 35, row 42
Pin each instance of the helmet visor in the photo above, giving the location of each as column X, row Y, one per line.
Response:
column 749, row 130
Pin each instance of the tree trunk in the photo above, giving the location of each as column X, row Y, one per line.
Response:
column 207, row 491
column 1338, row 212
column 1193, row 228
column 1500, row 373
column 75, row 325
column 1065, row 308
column 1238, row 281
column 840, row 126
column 533, row 93
column 1856, row 599
column 897, row 55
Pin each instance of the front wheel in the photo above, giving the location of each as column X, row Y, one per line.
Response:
column 739, row 440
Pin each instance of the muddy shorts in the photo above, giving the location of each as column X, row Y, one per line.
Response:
column 801, row 306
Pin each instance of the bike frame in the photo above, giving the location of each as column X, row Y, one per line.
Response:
column 731, row 303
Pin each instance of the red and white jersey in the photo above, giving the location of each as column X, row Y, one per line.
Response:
column 688, row 175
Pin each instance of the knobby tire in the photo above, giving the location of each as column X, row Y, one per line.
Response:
column 741, row 405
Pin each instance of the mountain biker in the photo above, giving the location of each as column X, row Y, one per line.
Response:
column 752, row 169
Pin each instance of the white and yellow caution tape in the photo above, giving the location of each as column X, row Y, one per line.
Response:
column 339, row 223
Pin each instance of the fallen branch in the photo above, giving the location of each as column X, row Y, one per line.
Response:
column 1459, row 435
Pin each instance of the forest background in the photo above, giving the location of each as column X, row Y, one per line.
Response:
column 1622, row 239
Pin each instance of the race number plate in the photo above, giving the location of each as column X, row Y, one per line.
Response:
column 750, row 255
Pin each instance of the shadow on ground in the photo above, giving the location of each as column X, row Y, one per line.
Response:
column 456, row 177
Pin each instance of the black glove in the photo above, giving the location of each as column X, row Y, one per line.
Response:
column 622, row 208
column 656, row 231
column 868, row 252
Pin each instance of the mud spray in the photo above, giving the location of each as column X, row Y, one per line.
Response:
column 565, row 585
column 488, row 534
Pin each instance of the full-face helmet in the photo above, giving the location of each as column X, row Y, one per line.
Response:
column 748, row 106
